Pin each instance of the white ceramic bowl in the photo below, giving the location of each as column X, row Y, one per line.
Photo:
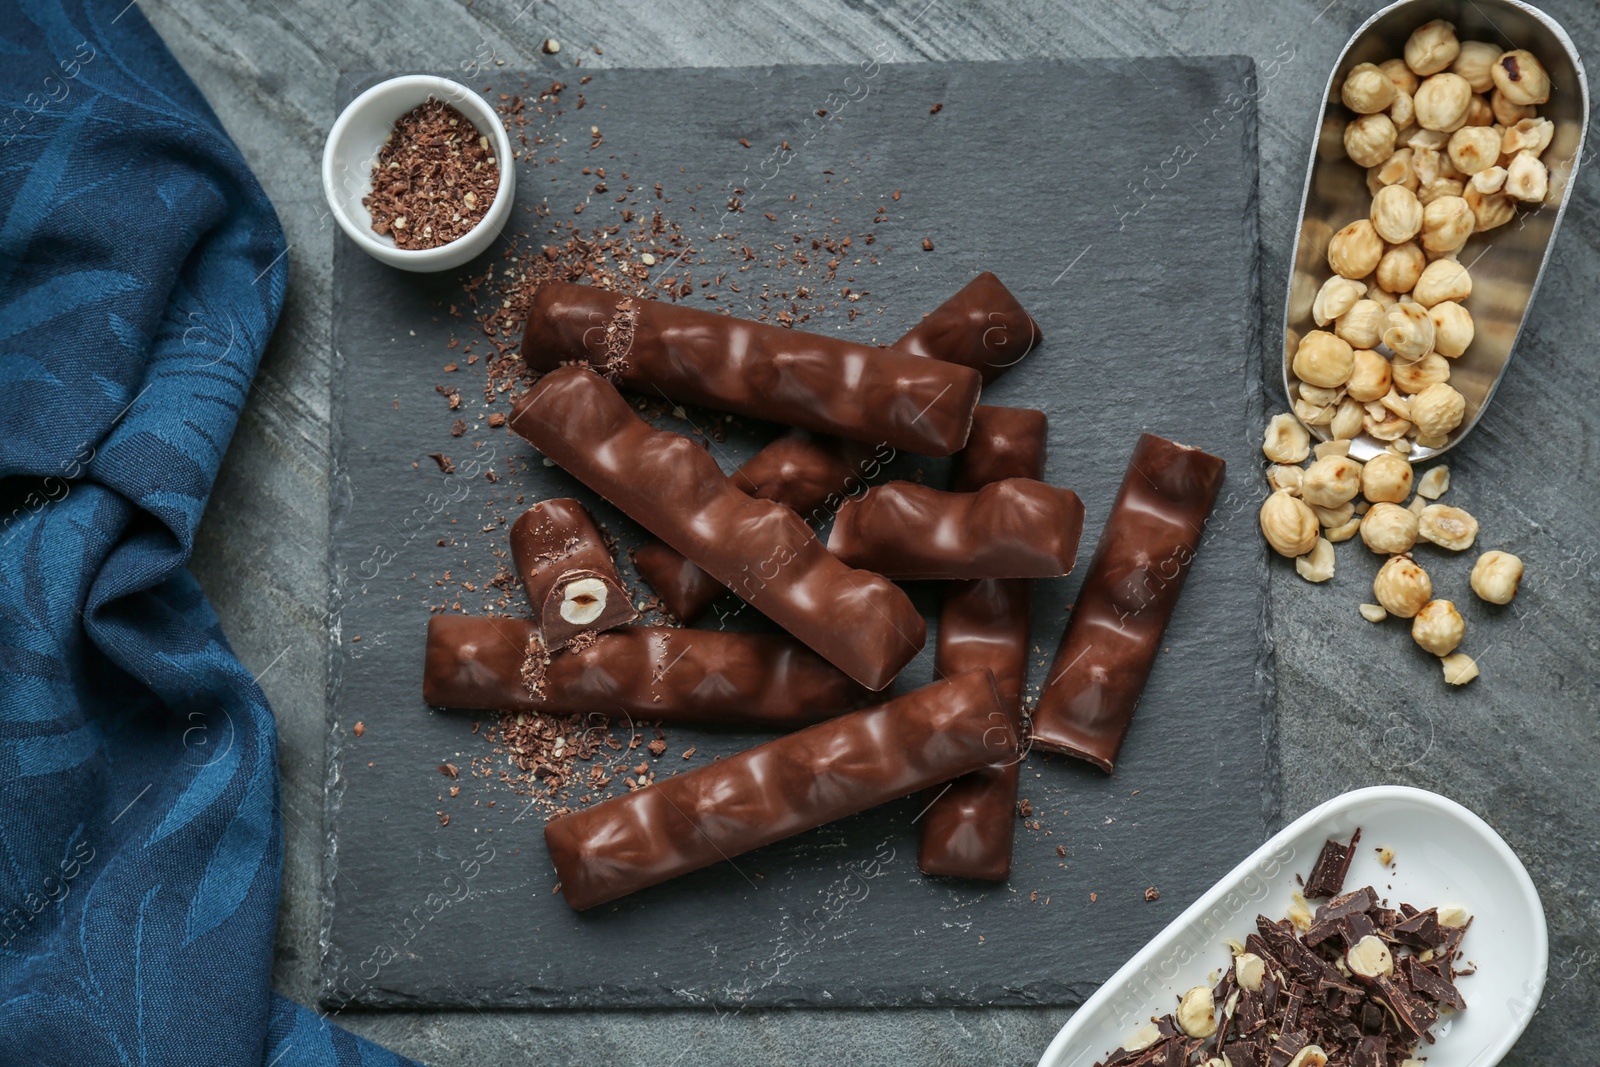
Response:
column 357, row 136
column 1444, row 854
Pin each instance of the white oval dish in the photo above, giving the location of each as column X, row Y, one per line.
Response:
column 1444, row 854
column 353, row 144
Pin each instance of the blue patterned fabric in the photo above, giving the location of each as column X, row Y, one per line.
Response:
column 141, row 272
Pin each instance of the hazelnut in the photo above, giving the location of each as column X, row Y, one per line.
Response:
column 1473, row 61
column 1438, row 627
column 1389, row 529
column 1401, row 265
column 1447, row 527
column 1527, row 135
column 583, row 601
column 1286, row 441
column 1310, row 1056
column 1421, row 140
column 1474, row 148
column 1386, row 478
column 1362, row 325
column 1285, row 475
column 1428, row 192
column 1396, row 170
column 1346, row 422
column 1369, row 958
column 1373, row 612
column 1323, row 359
column 1527, row 178
column 1442, row 102
column 1443, row 279
column 1508, row 112
column 1434, row 484
column 1405, row 80
column 1369, row 374
column 1488, row 209
column 1479, row 111
column 1402, row 587
column 1383, row 299
column 1396, row 214
column 1143, row 1038
column 1447, row 222
column 1329, row 482
column 1386, row 427
column 1369, row 140
column 1354, row 251
column 1437, row 410
column 1489, row 181
column 1317, row 565
column 1459, row 669
column 1415, row 376
column 1288, row 524
column 1336, row 534
column 1403, row 112
column 1329, row 518
column 1337, row 296
column 1195, row 1016
column 1521, row 77
column 1367, row 89
column 1452, row 328
column 1496, row 576
column 1432, row 47
column 1408, row 331
column 1323, row 449
column 1249, row 970
column 1313, row 414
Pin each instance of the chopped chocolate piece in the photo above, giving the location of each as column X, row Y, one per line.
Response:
column 1412, row 1013
column 1296, row 957
column 571, row 580
column 858, row 621
column 1450, row 943
column 1284, row 1049
column 1371, row 1051
column 1421, row 929
column 816, row 382
column 1424, row 979
column 1362, row 899
column 1327, row 874
column 1248, row 1016
column 643, row 672
column 1139, row 567
column 1251, row 1052
column 433, row 180
column 982, row 327
column 1290, row 1020
column 1016, row 528
column 1356, row 925
column 1372, row 1017
column 779, row 789
column 1323, row 930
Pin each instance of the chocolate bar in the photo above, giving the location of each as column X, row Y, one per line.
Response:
column 568, row 573
column 982, row 327
column 1128, row 595
column 647, row 673
column 968, row 829
column 776, row 790
column 820, row 383
column 858, row 621
column 1016, row 528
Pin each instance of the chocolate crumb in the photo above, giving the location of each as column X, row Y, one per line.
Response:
column 935, row 109
column 359, row 728
column 927, row 244
column 1152, row 893
column 445, row 463
column 449, row 770
column 434, row 179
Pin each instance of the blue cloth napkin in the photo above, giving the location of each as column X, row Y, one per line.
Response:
column 141, row 272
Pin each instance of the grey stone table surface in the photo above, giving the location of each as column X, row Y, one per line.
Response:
column 1357, row 704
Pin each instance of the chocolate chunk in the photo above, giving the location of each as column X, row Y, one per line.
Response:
column 1412, row 1013
column 1286, row 1047
column 982, row 327
column 1248, row 1016
column 1324, row 930
column 779, row 789
column 1424, row 979
column 1357, row 925
column 858, row 621
column 1251, row 1052
column 1421, row 929
column 1333, row 863
column 571, row 580
column 1362, row 899
column 1016, row 528
column 1371, row 1051
column 1132, row 587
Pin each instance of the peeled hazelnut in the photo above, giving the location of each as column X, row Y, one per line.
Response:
column 1442, row 101
column 1447, row 527
column 1288, row 524
column 1396, row 170
column 1452, row 328
column 1328, row 518
column 1367, row 89
column 1330, row 482
column 1323, row 359
column 1473, row 61
column 1386, row 478
column 1414, row 377
column 1249, row 970
column 1389, row 529
column 583, row 601
column 1443, row 279
column 1408, row 331
column 1417, row 504
column 1316, row 394
column 1474, row 148
column 1354, row 251
column 1527, row 178
column 1527, row 135
column 1401, row 265
column 1316, row 565
column 1488, row 209
column 1370, row 958
column 1428, row 192
column 1437, row 410
column 1396, row 214
column 1195, row 1016
column 1346, row 422
column 1479, row 111
column 1459, row 669
column 1421, row 140
column 1386, row 427
column 1403, row 112
column 1286, row 440
column 1313, row 414
column 1338, row 295
column 1393, row 401
column 1402, row 587
column 1285, row 476
column 1521, row 77
column 1362, row 325
column 1404, row 78
column 1369, row 140
column 1496, row 576
column 1438, row 627
column 1310, row 1056
column 1336, row 534
column 1143, row 1038
column 1489, row 181
column 1447, row 222
column 1432, row 47
column 1373, row 612
column 1434, row 484
column 1369, row 375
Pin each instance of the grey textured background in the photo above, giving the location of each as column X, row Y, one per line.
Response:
column 1357, row 705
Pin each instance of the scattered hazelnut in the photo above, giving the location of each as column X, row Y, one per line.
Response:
column 551, row 46
column 1474, row 148
column 1288, row 524
column 1329, row 482
column 1362, row 325
column 1370, row 375
column 1370, row 958
column 1473, row 61
column 1367, row 89
column 1527, row 178
column 1409, row 332
column 1323, row 359
column 1496, row 576
column 1386, row 478
column 1401, row 586
column 1316, row 565
column 1442, row 101
column 1313, row 414
column 1354, row 251
column 1479, row 111
column 1397, row 216
column 1443, row 279
column 1346, row 422
column 1195, row 1016
column 1286, row 441
column 1373, row 612
column 1417, row 375
column 1438, row 627
column 1437, row 410
column 1432, row 47
column 1404, row 78
column 1401, row 266
column 1285, row 476
column 1369, row 140
column 1521, row 77
column 1386, row 427
column 1447, row 527
column 1389, row 529
column 1434, row 484
column 1459, row 669
column 1338, row 295
column 1489, row 210
column 1249, row 970
column 1335, row 447
column 1452, row 328
column 1338, row 534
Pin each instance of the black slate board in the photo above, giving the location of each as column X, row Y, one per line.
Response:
column 1117, row 200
